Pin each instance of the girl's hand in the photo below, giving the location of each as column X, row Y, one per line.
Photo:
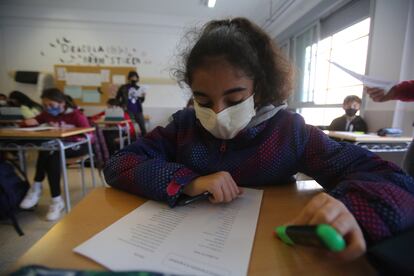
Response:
column 323, row 208
column 221, row 185
column 380, row 95
column 54, row 124
column 30, row 122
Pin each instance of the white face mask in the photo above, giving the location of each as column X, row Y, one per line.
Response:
column 227, row 123
column 3, row 102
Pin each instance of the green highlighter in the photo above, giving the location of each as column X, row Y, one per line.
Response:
column 321, row 235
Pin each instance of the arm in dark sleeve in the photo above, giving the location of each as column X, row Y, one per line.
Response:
column 148, row 167
column 360, row 125
column 364, row 126
column 336, row 125
column 41, row 118
column 377, row 192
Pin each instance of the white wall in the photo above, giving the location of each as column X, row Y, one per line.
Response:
column 27, row 36
column 388, row 28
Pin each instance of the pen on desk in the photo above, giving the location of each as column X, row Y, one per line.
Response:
column 187, row 201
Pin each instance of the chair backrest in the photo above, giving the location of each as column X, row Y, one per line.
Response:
column 114, row 114
column 11, row 113
column 101, row 152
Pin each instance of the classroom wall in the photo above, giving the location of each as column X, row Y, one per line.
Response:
column 30, row 37
column 384, row 61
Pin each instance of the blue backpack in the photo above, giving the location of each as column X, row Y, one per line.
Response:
column 13, row 188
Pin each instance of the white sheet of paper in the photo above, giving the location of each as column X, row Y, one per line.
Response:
column 356, row 135
column 61, row 73
column 105, row 73
column 83, row 79
column 118, row 79
column 197, row 239
column 36, row 128
column 368, row 81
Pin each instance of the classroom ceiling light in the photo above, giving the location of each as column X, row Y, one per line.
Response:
column 211, row 3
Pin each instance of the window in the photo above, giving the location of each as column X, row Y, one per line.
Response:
column 321, row 85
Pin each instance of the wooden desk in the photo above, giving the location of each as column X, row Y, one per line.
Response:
column 103, row 206
column 51, row 133
column 373, row 138
column 55, row 136
column 373, row 142
column 10, row 121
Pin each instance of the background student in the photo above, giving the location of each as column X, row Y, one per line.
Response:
column 112, row 136
column 131, row 96
column 28, row 107
column 240, row 135
column 350, row 121
column 403, row 91
column 58, row 111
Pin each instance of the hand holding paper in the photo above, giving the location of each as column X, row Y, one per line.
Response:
column 380, row 95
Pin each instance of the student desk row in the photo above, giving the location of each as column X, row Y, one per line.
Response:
column 103, row 206
column 373, row 142
column 121, row 126
column 12, row 139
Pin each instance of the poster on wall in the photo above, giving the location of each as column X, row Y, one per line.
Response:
column 61, row 73
column 74, row 91
column 83, row 79
column 118, row 79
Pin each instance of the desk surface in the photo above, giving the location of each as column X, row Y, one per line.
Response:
column 112, row 122
column 373, row 138
column 51, row 133
column 10, row 121
column 103, row 206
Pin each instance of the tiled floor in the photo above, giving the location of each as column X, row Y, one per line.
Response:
column 33, row 222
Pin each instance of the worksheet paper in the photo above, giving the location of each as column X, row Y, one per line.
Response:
column 198, row 239
column 368, row 81
column 35, row 128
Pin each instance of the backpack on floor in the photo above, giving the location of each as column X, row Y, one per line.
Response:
column 13, row 188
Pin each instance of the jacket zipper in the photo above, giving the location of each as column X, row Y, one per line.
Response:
column 223, row 147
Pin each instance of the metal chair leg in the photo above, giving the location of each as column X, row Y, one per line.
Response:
column 82, row 168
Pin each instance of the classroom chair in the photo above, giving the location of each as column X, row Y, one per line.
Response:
column 79, row 160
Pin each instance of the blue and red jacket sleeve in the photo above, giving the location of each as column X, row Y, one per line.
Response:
column 148, row 167
column 377, row 192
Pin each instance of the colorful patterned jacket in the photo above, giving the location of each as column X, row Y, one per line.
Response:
column 378, row 193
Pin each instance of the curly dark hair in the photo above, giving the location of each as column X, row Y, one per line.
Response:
column 247, row 47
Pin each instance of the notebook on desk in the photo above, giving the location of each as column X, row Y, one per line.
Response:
column 11, row 113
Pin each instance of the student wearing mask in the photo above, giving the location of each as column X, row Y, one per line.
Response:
column 131, row 96
column 239, row 134
column 350, row 121
column 28, row 107
column 111, row 136
column 58, row 111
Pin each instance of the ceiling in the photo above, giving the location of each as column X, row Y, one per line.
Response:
column 263, row 12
